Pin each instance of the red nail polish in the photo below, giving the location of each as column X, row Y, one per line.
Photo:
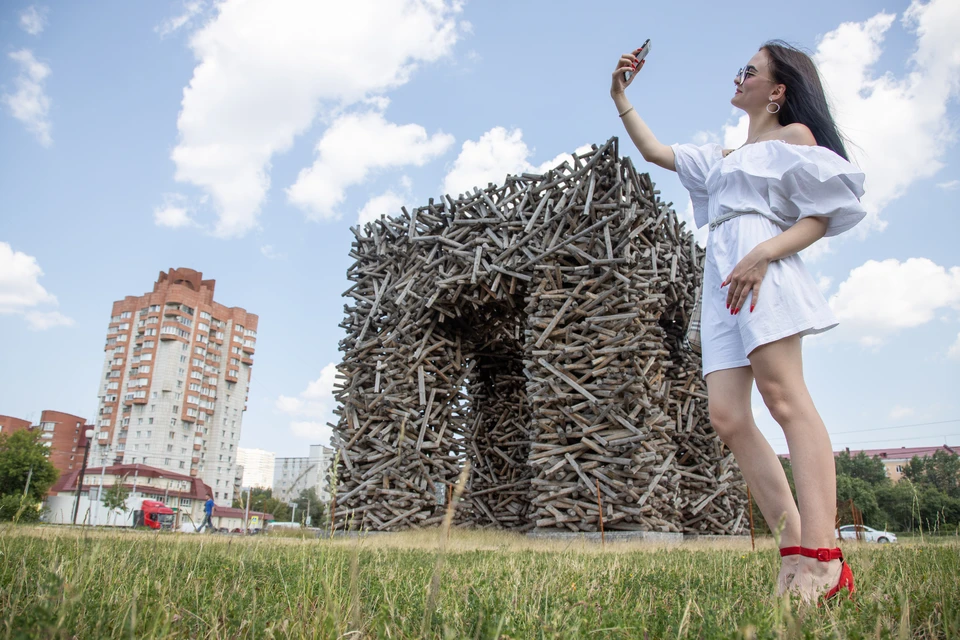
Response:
column 736, row 311
column 752, row 307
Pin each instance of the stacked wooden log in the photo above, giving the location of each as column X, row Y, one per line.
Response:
column 536, row 328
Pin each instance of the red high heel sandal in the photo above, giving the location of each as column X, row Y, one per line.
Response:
column 846, row 573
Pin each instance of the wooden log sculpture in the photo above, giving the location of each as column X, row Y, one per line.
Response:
column 537, row 329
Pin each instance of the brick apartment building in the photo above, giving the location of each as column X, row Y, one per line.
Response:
column 175, row 381
column 61, row 432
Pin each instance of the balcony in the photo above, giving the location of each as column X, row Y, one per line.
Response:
column 248, row 348
column 195, row 460
column 189, row 418
column 193, row 473
column 247, row 360
column 196, row 447
column 230, row 377
column 140, row 401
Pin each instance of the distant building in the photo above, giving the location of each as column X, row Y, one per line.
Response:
column 9, row 424
column 61, row 432
column 258, row 467
column 293, row 475
column 175, row 379
column 181, row 492
column 894, row 460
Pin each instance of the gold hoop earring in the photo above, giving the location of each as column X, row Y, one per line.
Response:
column 773, row 104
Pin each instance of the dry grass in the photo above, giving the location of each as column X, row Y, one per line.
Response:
column 62, row 582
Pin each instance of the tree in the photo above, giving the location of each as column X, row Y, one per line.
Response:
column 941, row 470
column 861, row 492
column 115, row 498
column 19, row 453
column 263, row 500
column 870, row 470
column 317, row 508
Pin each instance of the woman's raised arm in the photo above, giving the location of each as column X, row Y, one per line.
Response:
column 650, row 148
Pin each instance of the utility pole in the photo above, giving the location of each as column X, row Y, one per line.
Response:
column 293, row 517
column 308, row 509
column 29, row 476
column 83, row 469
column 246, row 515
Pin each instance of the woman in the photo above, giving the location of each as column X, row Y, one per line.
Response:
column 783, row 190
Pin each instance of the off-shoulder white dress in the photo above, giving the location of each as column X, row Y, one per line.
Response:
column 778, row 183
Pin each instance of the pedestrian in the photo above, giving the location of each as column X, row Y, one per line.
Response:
column 788, row 186
column 208, row 514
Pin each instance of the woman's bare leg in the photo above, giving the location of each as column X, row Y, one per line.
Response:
column 731, row 415
column 778, row 368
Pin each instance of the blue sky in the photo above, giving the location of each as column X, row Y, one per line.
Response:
column 243, row 139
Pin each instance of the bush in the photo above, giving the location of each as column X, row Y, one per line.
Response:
column 11, row 504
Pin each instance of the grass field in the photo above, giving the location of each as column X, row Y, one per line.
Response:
column 65, row 583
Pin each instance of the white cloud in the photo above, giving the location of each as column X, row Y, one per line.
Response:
column 268, row 68
column 270, row 253
column 313, row 407
column 880, row 298
column 191, row 9
column 30, row 104
column 954, row 350
column 900, row 412
column 385, row 204
column 823, row 283
column 172, row 216
column 949, row 185
column 43, row 320
column 33, row 19
column 865, row 103
column 497, row 154
column 315, row 432
column 21, row 291
column 353, row 147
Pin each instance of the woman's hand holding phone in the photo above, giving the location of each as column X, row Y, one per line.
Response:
column 627, row 68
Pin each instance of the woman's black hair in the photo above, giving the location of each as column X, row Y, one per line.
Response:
column 804, row 101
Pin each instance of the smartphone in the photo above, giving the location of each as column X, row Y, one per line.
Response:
column 641, row 53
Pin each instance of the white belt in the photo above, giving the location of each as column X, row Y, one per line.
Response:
column 716, row 222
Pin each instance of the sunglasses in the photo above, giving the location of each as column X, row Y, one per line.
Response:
column 747, row 72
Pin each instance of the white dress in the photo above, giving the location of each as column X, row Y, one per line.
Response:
column 778, row 183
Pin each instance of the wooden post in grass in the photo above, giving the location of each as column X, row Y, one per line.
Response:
column 603, row 541
column 753, row 544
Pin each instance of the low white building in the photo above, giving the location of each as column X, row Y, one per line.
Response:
column 293, row 475
column 184, row 494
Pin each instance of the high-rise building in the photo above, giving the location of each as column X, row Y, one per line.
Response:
column 257, row 467
column 293, row 475
column 175, row 379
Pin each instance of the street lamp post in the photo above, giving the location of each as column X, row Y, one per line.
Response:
column 88, row 434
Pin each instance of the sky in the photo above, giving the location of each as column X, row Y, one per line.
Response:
column 243, row 139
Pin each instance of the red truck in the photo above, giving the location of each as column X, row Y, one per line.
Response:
column 153, row 514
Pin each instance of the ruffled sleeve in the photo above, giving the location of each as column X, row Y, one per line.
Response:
column 693, row 163
column 802, row 181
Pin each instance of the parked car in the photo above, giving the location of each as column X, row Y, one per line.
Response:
column 867, row 534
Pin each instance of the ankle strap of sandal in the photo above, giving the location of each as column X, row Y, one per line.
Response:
column 789, row 551
column 822, row 554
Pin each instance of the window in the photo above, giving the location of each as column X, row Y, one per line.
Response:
column 183, row 358
column 145, row 369
column 166, row 461
column 176, row 408
column 899, row 468
column 180, row 372
column 125, row 315
column 149, row 421
column 181, row 464
column 169, row 448
column 179, row 384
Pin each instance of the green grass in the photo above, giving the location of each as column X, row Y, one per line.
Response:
column 61, row 582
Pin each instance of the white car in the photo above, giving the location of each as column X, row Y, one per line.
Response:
column 867, row 534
